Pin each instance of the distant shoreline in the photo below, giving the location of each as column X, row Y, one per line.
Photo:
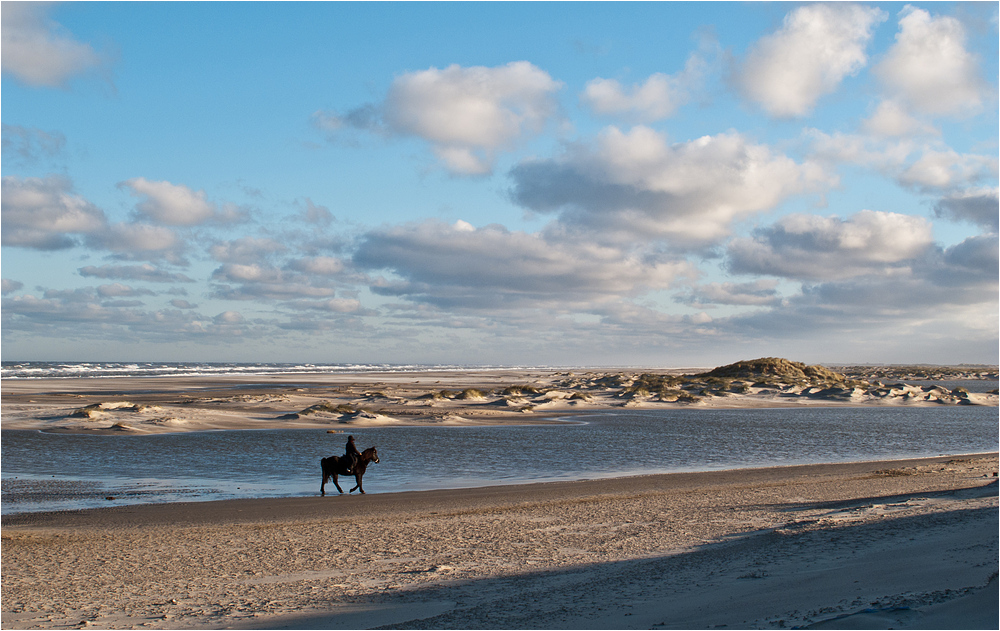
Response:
column 170, row 404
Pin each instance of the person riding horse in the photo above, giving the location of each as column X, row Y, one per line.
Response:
column 352, row 455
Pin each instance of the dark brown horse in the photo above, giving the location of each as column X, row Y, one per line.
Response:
column 336, row 465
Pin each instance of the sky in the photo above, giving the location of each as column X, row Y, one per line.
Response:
column 565, row 184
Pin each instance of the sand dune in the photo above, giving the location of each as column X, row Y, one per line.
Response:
column 471, row 397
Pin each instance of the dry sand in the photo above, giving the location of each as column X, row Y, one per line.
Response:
column 903, row 544
column 168, row 404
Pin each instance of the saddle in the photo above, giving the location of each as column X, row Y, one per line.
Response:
column 347, row 464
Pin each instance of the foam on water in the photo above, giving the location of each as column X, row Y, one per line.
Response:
column 58, row 370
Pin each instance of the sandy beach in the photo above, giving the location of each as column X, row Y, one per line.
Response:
column 901, row 544
column 894, row 544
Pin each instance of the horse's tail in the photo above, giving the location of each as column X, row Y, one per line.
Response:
column 326, row 470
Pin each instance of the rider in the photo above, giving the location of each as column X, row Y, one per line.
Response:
column 352, row 456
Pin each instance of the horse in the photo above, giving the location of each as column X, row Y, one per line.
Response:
column 335, row 465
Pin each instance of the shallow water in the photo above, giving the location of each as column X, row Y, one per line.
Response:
column 60, row 471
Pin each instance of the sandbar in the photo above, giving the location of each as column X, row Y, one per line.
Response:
column 143, row 405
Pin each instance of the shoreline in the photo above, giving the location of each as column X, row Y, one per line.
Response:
column 899, row 543
column 164, row 512
column 15, row 517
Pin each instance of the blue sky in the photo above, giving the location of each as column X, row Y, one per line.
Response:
column 668, row 184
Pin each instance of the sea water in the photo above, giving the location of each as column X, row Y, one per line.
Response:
column 44, row 471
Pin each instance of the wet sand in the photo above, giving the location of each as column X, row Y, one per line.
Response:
column 899, row 544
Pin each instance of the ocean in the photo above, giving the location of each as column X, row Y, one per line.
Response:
column 44, row 471
column 59, row 370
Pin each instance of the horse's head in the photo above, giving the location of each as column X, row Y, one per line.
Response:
column 370, row 454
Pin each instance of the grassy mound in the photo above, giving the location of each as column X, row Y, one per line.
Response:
column 775, row 369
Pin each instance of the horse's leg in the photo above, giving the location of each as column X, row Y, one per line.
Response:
column 337, row 483
column 358, row 487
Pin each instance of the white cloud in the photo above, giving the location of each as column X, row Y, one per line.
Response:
column 44, row 213
column 239, row 281
column 118, row 290
column 172, row 204
column 927, row 166
column 809, row 247
column 138, row 240
column 468, row 115
column 817, row 46
column 40, row 51
column 637, row 186
column 947, row 169
column 929, row 66
column 494, row 268
column 656, row 98
column 890, row 119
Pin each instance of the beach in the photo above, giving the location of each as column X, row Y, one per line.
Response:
column 900, row 544
column 876, row 544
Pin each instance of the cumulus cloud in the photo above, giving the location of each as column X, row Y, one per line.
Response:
column 890, row 119
column 176, row 205
column 809, row 247
column 45, row 214
column 947, row 169
column 494, row 268
column 118, row 290
column 635, row 185
column 137, row 240
column 980, row 206
column 144, row 272
column 925, row 166
column 238, row 281
column 655, row 99
column 8, row 286
column 817, row 46
column 467, row 114
column 942, row 300
column 39, row 51
column 929, row 67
